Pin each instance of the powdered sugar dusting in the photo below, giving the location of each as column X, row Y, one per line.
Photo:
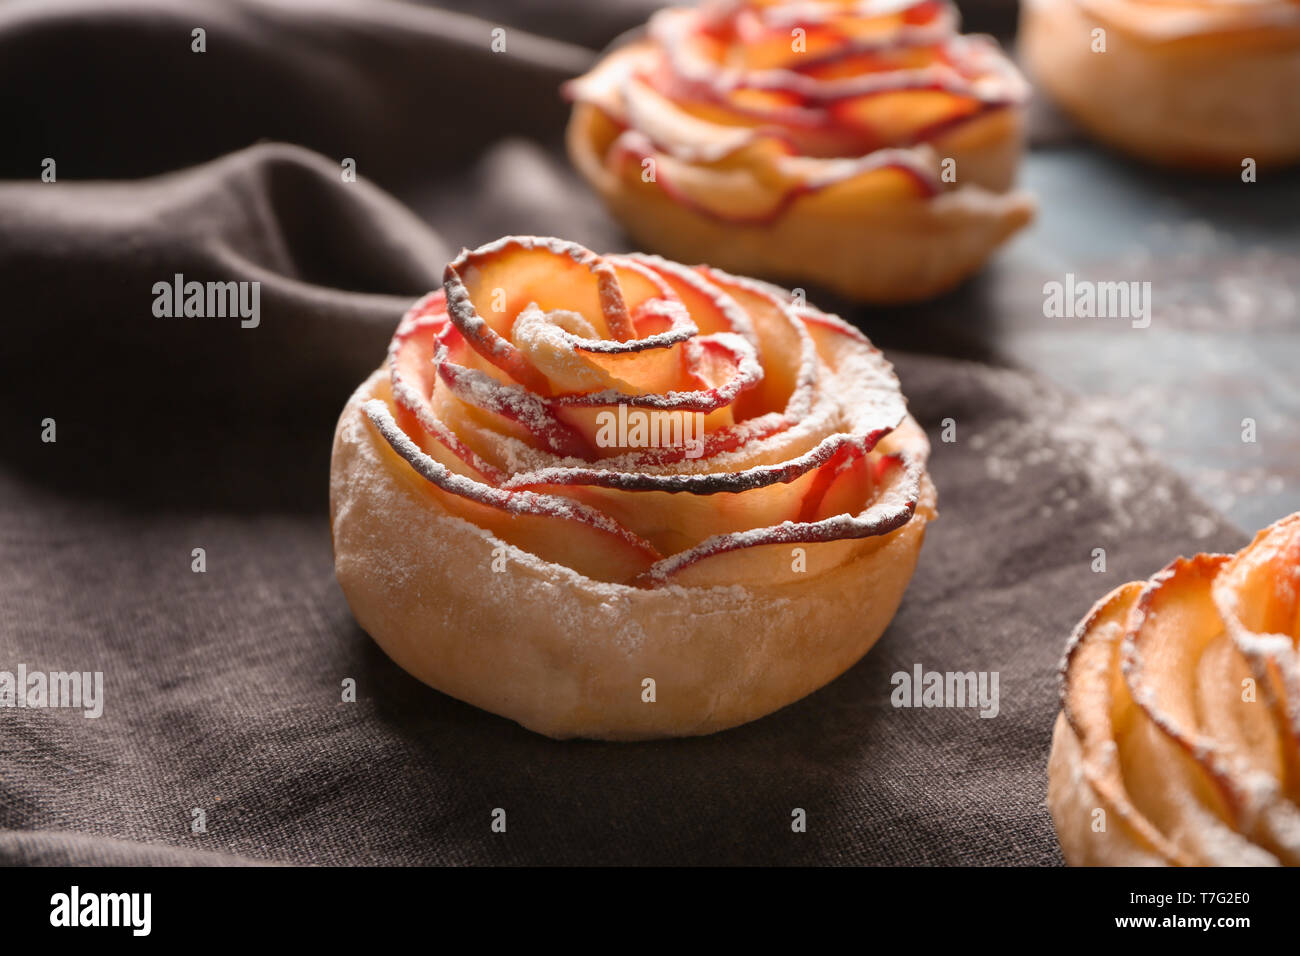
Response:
column 1078, row 437
column 545, row 367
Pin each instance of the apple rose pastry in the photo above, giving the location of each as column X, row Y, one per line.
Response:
column 1180, row 737
column 617, row 497
column 860, row 144
column 1193, row 83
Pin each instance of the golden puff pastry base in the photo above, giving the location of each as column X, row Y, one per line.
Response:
column 566, row 656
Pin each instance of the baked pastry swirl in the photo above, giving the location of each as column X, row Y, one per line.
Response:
column 860, row 144
column 1192, row 83
column 576, row 473
column 1179, row 742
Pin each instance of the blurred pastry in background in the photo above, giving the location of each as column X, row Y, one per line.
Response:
column 864, row 146
column 1205, row 84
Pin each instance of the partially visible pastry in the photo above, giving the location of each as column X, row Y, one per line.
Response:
column 617, row 497
column 863, row 145
column 1192, row 83
column 1179, row 741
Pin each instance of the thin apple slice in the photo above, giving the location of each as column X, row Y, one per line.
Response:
column 743, row 195
column 762, row 48
column 709, row 306
column 592, row 543
column 1103, row 718
column 731, row 557
column 488, row 288
column 515, row 410
column 677, row 511
column 736, row 193
column 411, row 383
column 784, row 347
column 675, row 522
column 904, row 117
column 1258, row 597
column 1201, row 737
column 692, row 137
